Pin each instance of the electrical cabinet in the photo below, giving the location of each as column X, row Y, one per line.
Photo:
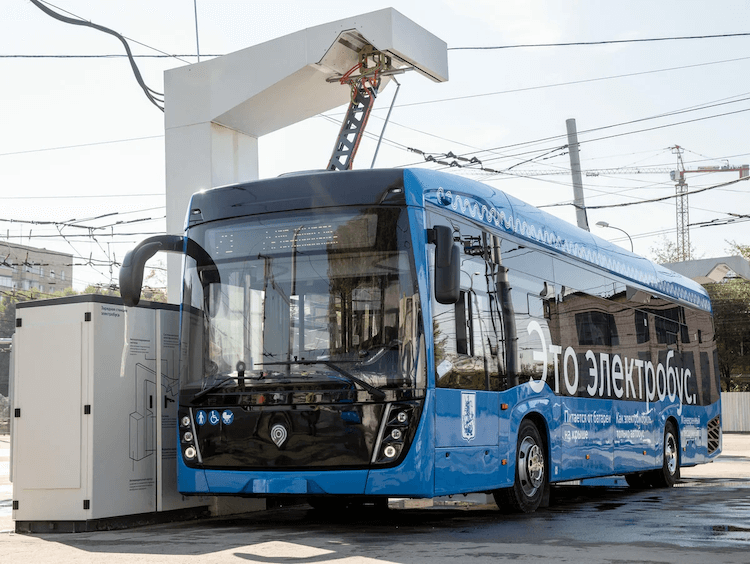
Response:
column 94, row 412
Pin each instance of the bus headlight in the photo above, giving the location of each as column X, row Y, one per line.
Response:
column 396, row 432
column 187, row 436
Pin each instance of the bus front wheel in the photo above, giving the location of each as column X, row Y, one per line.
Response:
column 530, row 482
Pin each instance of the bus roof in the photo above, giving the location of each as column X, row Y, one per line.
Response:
column 484, row 204
column 470, row 198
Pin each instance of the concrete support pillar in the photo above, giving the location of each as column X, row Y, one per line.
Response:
column 199, row 157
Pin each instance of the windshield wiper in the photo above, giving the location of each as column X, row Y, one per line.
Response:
column 378, row 394
column 210, row 389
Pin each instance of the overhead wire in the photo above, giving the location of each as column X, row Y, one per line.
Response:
column 83, row 196
column 109, row 56
column 603, row 42
column 81, row 145
column 640, row 120
column 601, row 128
column 156, row 98
column 652, row 200
column 161, row 53
column 568, row 83
column 434, row 101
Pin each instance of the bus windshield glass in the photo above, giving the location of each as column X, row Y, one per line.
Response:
column 304, row 301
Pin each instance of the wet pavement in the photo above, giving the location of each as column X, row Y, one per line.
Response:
column 705, row 519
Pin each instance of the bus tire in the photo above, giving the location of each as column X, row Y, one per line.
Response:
column 669, row 473
column 530, row 484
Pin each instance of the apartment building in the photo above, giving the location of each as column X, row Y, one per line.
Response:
column 31, row 268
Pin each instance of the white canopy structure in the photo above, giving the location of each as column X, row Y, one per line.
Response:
column 216, row 110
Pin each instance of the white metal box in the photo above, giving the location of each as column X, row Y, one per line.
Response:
column 94, row 411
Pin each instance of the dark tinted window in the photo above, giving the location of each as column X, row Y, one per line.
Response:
column 596, row 328
column 469, row 335
column 642, row 332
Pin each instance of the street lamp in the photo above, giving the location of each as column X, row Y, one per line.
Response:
column 605, row 224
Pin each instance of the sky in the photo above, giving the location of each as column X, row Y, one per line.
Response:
column 82, row 149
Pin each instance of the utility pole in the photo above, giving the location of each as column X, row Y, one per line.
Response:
column 575, row 169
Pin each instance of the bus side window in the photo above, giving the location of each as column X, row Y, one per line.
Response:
column 596, row 328
column 465, row 348
column 642, row 332
column 467, row 335
column 464, row 333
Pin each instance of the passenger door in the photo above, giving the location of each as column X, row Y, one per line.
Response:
column 466, row 362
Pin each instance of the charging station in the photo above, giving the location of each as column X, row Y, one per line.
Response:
column 94, row 398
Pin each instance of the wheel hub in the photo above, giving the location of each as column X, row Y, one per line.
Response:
column 531, row 466
column 670, row 453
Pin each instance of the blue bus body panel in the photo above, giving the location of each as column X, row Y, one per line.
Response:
column 190, row 480
column 414, row 477
column 350, row 482
column 252, row 483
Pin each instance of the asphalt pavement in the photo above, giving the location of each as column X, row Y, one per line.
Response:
column 707, row 518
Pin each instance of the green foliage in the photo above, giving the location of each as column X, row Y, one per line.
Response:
column 666, row 251
column 731, row 305
column 737, row 249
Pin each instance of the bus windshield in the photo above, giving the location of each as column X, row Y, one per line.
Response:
column 305, row 300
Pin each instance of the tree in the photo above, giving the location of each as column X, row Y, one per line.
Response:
column 666, row 251
column 731, row 306
column 736, row 248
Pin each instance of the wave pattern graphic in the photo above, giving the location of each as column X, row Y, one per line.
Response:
column 469, row 206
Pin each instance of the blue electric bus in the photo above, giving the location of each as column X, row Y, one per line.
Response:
column 409, row 333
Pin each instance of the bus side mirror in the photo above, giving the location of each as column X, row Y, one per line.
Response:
column 447, row 264
column 131, row 271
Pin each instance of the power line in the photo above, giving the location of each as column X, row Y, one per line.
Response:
column 93, row 144
column 639, row 120
column 649, row 201
column 475, row 160
column 107, row 56
column 153, row 194
column 418, row 103
column 163, row 53
column 604, row 42
column 156, row 98
column 569, row 83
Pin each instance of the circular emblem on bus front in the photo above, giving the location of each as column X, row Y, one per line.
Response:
column 279, row 434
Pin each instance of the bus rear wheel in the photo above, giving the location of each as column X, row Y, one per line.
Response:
column 530, row 482
column 669, row 473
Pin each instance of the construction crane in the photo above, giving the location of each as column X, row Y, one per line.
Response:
column 681, row 198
